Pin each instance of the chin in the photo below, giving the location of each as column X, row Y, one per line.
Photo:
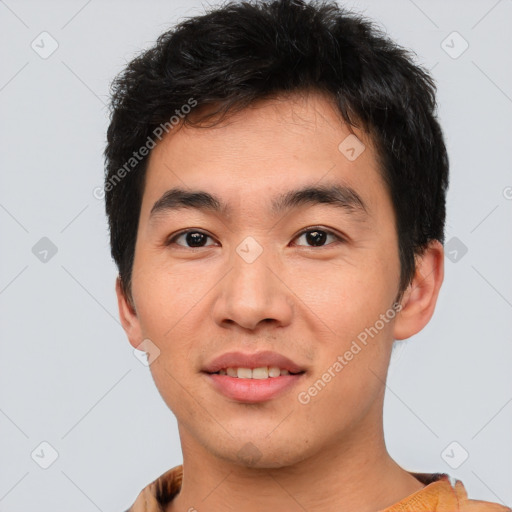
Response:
column 259, row 453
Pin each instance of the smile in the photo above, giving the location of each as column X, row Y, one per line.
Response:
column 263, row 372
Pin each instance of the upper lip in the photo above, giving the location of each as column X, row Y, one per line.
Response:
column 255, row 360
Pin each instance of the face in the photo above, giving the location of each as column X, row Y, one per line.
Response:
column 268, row 265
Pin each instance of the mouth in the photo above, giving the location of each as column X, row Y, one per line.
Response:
column 260, row 373
column 252, row 378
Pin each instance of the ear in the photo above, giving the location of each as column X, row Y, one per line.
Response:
column 419, row 300
column 128, row 316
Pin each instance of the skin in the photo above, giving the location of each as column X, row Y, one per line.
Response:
column 304, row 301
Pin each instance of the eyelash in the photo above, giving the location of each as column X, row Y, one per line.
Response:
column 338, row 238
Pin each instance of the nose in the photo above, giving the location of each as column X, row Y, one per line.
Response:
column 253, row 294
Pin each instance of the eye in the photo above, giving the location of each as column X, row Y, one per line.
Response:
column 318, row 236
column 192, row 237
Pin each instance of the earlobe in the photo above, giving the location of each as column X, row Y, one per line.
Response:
column 128, row 316
column 419, row 300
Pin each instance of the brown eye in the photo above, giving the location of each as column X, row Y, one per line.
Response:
column 192, row 238
column 317, row 237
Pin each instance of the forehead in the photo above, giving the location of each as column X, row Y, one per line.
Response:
column 271, row 146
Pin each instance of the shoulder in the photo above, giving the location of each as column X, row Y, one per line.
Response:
column 442, row 493
column 159, row 492
column 469, row 505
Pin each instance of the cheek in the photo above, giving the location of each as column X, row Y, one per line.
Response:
column 356, row 304
column 347, row 297
column 165, row 297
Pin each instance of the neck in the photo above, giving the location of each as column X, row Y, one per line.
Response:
column 355, row 474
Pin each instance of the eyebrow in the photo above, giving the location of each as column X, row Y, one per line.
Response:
column 339, row 196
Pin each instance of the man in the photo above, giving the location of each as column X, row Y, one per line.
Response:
column 275, row 189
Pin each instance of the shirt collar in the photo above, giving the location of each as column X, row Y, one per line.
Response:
column 438, row 491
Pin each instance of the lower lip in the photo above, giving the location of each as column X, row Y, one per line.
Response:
column 252, row 390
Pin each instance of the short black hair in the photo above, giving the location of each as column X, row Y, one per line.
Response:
column 242, row 52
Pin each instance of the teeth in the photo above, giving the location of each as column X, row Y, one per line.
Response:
column 259, row 373
column 263, row 372
column 244, row 373
column 274, row 371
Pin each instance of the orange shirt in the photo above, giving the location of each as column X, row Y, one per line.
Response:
column 438, row 495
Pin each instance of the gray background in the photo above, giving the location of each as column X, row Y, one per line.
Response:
column 68, row 375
